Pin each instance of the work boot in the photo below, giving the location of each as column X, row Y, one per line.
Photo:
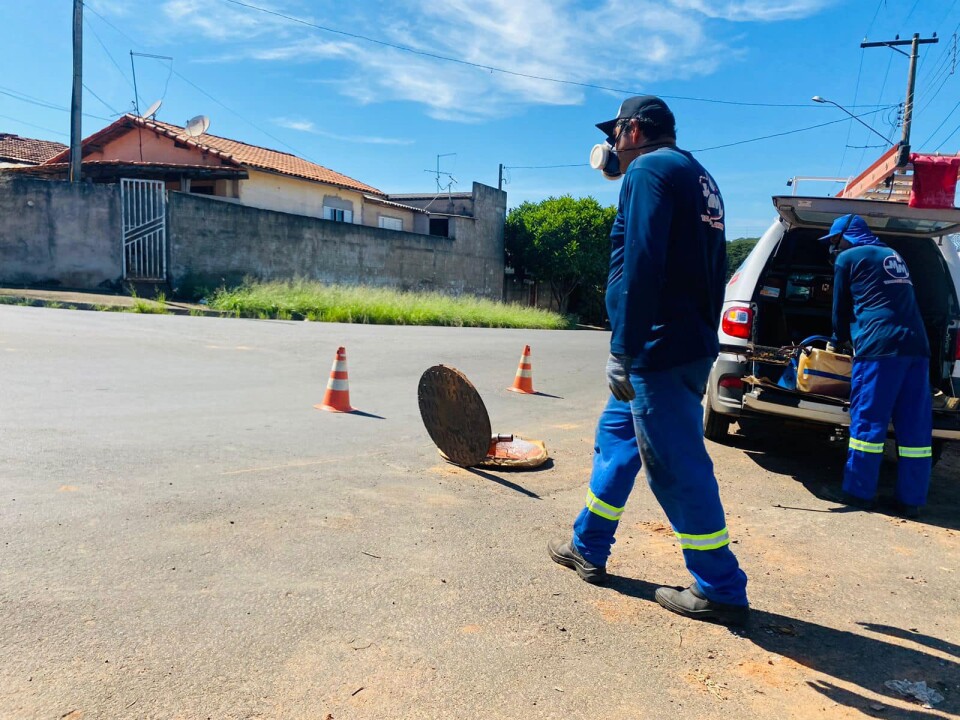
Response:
column 901, row 509
column 564, row 553
column 692, row 603
column 858, row 502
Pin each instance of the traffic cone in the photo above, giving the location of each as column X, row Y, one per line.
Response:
column 523, row 382
column 337, row 396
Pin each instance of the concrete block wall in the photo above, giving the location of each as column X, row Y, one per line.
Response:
column 214, row 243
column 59, row 233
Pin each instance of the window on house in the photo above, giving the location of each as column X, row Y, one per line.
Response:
column 391, row 223
column 440, row 226
column 337, row 215
column 202, row 187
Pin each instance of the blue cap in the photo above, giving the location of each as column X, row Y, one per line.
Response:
column 851, row 227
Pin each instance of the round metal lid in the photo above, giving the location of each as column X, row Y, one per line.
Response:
column 454, row 415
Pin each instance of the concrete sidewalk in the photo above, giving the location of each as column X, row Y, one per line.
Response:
column 86, row 300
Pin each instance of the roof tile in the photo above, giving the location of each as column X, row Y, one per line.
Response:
column 28, row 150
column 263, row 158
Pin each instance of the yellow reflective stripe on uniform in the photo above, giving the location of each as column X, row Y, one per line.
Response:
column 710, row 541
column 604, row 510
column 916, row 452
column 864, row 446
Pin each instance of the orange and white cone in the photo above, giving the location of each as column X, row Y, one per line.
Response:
column 337, row 396
column 523, row 382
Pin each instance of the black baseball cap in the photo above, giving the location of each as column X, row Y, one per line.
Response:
column 645, row 106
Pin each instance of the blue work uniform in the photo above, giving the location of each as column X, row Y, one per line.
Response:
column 664, row 299
column 875, row 308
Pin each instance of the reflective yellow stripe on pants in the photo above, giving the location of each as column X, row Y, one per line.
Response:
column 604, row 510
column 916, row 452
column 864, row 446
column 711, row 541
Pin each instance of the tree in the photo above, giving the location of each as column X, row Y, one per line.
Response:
column 564, row 242
column 737, row 251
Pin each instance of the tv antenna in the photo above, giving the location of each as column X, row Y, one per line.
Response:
column 197, row 126
column 133, row 67
column 152, row 110
column 438, row 172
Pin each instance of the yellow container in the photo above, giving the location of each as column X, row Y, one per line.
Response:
column 824, row 373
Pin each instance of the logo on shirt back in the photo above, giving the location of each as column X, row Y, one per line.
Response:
column 714, row 214
column 897, row 269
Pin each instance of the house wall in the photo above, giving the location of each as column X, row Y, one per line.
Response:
column 155, row 148
column 412, row 221
column 57, row 232
column 214, row 243
column 271, row 191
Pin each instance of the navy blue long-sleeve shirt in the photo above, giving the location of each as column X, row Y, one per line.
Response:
column 667, row 262
column 874, row 305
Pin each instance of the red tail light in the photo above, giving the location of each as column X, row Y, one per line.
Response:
column 956, row 354
column 738, row 322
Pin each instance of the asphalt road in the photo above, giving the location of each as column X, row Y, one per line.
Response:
column 184, row 536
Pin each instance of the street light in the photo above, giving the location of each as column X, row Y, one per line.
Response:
column 818, row 99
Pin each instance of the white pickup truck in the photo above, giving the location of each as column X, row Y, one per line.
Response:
column 783, row 293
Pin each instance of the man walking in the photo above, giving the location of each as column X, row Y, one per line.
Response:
column 664, row 299
column 875, row 308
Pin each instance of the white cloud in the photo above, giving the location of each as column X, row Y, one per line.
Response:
column 308, row 126
column 755, row 10
column 625, row 45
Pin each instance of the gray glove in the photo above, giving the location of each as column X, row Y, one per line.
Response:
column 618, row 377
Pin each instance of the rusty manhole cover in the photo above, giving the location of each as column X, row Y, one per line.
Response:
column 454, row 415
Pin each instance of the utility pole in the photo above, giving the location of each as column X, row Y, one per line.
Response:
column 903, row 154
column 500, row 179
column 75, row 104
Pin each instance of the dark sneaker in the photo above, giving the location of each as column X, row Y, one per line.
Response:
column 692, row 603
column 911, row 512
column 858, row 502
column 564, row 553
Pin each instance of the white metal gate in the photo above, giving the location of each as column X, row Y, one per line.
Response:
column 144, row 204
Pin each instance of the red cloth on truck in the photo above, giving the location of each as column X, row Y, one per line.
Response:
column 934, row 181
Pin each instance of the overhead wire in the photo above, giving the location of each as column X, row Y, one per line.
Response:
column 102, row 101
column 944, row 122
column 23, row 97
column 948, row 137
column 713, row 147
column 201, row 90
column 103, row 45
column 501, row 70
column 38, row 127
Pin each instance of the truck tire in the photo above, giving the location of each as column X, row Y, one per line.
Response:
column 716, row 427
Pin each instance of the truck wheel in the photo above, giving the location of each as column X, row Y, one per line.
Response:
column 715, row 426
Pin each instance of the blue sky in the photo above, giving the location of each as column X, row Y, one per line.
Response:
column 382, row 114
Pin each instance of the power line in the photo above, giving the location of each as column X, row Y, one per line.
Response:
column 786, row 132
column 946, row 117
column 104, row 102
column 202, row 91
column 109, row 55
column 715, row 147
column 504, row 71
column 22, row 97
column 948, row 137
column 39, row 127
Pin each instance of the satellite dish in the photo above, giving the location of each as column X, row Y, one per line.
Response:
column 152, row 110
column 197, row 126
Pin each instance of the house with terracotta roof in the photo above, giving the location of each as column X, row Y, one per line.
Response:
column 16, row 151
column 164, row 205
column 145, row 148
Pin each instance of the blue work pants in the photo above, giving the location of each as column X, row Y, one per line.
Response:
column 662, row 430
column 897, row 389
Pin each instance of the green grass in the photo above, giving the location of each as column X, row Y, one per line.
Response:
column 302, row 299
column 148, row 307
